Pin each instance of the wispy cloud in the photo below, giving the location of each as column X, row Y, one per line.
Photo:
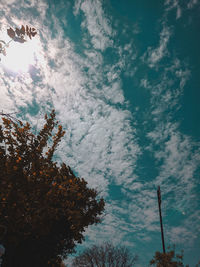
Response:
column 187, row 232
column 180, row 160
column 179, row 6
column 154, row 55
column 96, row 23
column 174, row 4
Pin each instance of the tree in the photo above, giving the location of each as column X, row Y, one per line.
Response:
column 44, row 207
column 168, row 259
column 105, row 255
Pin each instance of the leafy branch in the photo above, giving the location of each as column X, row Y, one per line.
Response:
column 17, row 35
column 9, row 116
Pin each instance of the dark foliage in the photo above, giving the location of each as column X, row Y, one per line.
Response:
column 168, row 259
column 43, row 207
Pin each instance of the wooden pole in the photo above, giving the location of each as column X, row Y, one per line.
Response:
column 161, row 224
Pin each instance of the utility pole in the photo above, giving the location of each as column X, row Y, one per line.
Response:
column 161, row 224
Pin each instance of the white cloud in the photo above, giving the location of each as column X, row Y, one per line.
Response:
column 167, row 89
column 179, row 7
column 154, row 55
column 179, row 157
column 96, row 23
column 174, row 4
column 180, row 235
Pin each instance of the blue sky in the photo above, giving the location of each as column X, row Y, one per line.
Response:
column 123, row 77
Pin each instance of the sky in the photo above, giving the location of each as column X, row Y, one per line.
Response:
column 123, row 78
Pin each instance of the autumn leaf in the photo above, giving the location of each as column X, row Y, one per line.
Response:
column 33, row 33
column 22, row 30
column 11, row 33
column 18, row 32
column 27, row 29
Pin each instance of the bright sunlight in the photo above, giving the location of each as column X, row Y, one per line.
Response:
column 19, row 56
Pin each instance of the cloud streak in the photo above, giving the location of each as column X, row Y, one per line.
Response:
column 155, row 55
column 96, row 23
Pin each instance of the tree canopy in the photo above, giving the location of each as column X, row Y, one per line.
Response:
column 168, row 259
column 44, row 207
column 105, row 255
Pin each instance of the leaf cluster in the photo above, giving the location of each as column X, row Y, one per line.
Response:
column 44, row 207
column 168, row 259
column 18, row 35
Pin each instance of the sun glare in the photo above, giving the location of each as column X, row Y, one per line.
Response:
column 19, row 56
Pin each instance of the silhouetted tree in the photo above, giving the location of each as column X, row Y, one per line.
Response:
column 168, row 259
column 44, row 207
column 105, row 255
